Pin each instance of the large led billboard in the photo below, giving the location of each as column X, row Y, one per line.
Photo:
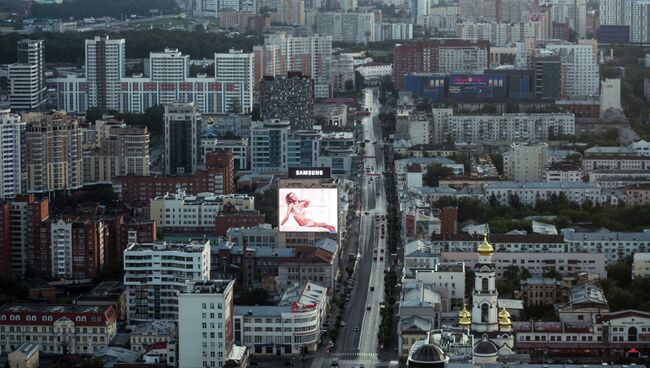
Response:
column 308, row 209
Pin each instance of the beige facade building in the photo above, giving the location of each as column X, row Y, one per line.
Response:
column 119, row 150
column 525, row 162
column 291, row 12
column 53, row 153
column 26, row 356
column 637, row 195
column 641, row 265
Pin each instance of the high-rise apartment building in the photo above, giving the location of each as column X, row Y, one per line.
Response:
column 77, row 247
column 53, row 153
column 120, row 150
column 27, row 77
column 573, row 13
column 311, row 55
column 275, row 147
column 168, row 82
column 289, row 98
column 290, row 12
column 347, row 27
column 440, row 56
column 612, row 12
column 580, row 67
column 182, row 136
column 419, row 8
column 525, row 162
column 104, row 69
column 12, row 131
column 154, row 273
column 20, row 243
column 234, row 70
column 205, row 323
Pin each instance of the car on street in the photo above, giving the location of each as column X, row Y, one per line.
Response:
column 342, row 323
column 368, row 307
column 357, row 329
column 335, row 362
column 381, row 258
column 372, row 288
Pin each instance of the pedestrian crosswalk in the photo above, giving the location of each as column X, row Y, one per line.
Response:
column 354, row 354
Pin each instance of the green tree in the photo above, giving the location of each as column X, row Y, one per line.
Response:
column 497, row 161
column 434, row 173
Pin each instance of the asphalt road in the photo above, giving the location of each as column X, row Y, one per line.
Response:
column 357, row 344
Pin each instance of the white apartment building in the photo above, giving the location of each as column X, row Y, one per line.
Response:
column 105, row 67
column 610, row 95
column 615, row 245
column 502, row 128
column 155, row 272
column 347, row 27
column 580, row 62
column 617, row 161
column 234, row 69
column 27, row 77
column 168, row 66
column 168, row 82
column 537, row 263
column 525, row 162
column 448, row 279
column 529, row 193
column 342, row 71
column 420, row 254
column 559, row 172
column 238, row 147
column 205, row 323
column 312, row 55
column 195, row 212
column 637, row 15
column 640, row 265
column 11, row 154
column 263, row 235
column 612, row 12
column 285, row 329
column 393, row 31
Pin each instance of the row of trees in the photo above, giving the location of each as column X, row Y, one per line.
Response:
column 505, row 218
column 69, row 47
column 79, row 9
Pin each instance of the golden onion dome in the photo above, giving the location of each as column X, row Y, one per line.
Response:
column 485, row 248
column 504, row 318
column 210, row 120
column 464, row 317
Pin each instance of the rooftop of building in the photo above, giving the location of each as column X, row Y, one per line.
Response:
column 210, row 286
column 50, row 308
column 605, row 235
column 155, row 328
column 107, row 288
column 542, row 185
column 306, row 294
column 587, row 294
column 261, row 311
column 500, row 238
column 563, row 166
column 191, row 246
column 201, row 197
column 539, row 281
column 28, row 348
column 433, row 147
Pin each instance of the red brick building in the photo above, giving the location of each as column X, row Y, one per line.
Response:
column 423, row 56
column 227, row 219
column 20, row 220
column 217, row 177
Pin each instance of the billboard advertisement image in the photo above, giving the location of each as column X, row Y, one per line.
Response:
column 308, row 209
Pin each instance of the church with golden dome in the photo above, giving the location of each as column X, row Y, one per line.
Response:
column 491, row 329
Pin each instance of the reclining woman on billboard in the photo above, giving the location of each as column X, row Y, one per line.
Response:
column 298, row 208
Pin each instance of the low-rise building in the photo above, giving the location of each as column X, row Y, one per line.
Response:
column 181, row 211
column 615, row 245
column 615, row 161
column 640, row 265
column 147, row 333
column 308, row 264
column 286, row 329
column 537, row 263
column 420, row 255
column 332, row 115
column 263, row 235
column 373, row 72
column 529, row 193
column 107, row 293
column 539, row 291
column 637, row 195
column 563, row 171
column 26, row 356
column 58, row 329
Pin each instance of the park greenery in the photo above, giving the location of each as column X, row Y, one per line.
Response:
column 69, row 47
column 506, row 218
column 624, row 293
column 434, row 173
column 79, row 9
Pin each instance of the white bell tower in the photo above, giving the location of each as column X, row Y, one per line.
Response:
column 484, row 297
